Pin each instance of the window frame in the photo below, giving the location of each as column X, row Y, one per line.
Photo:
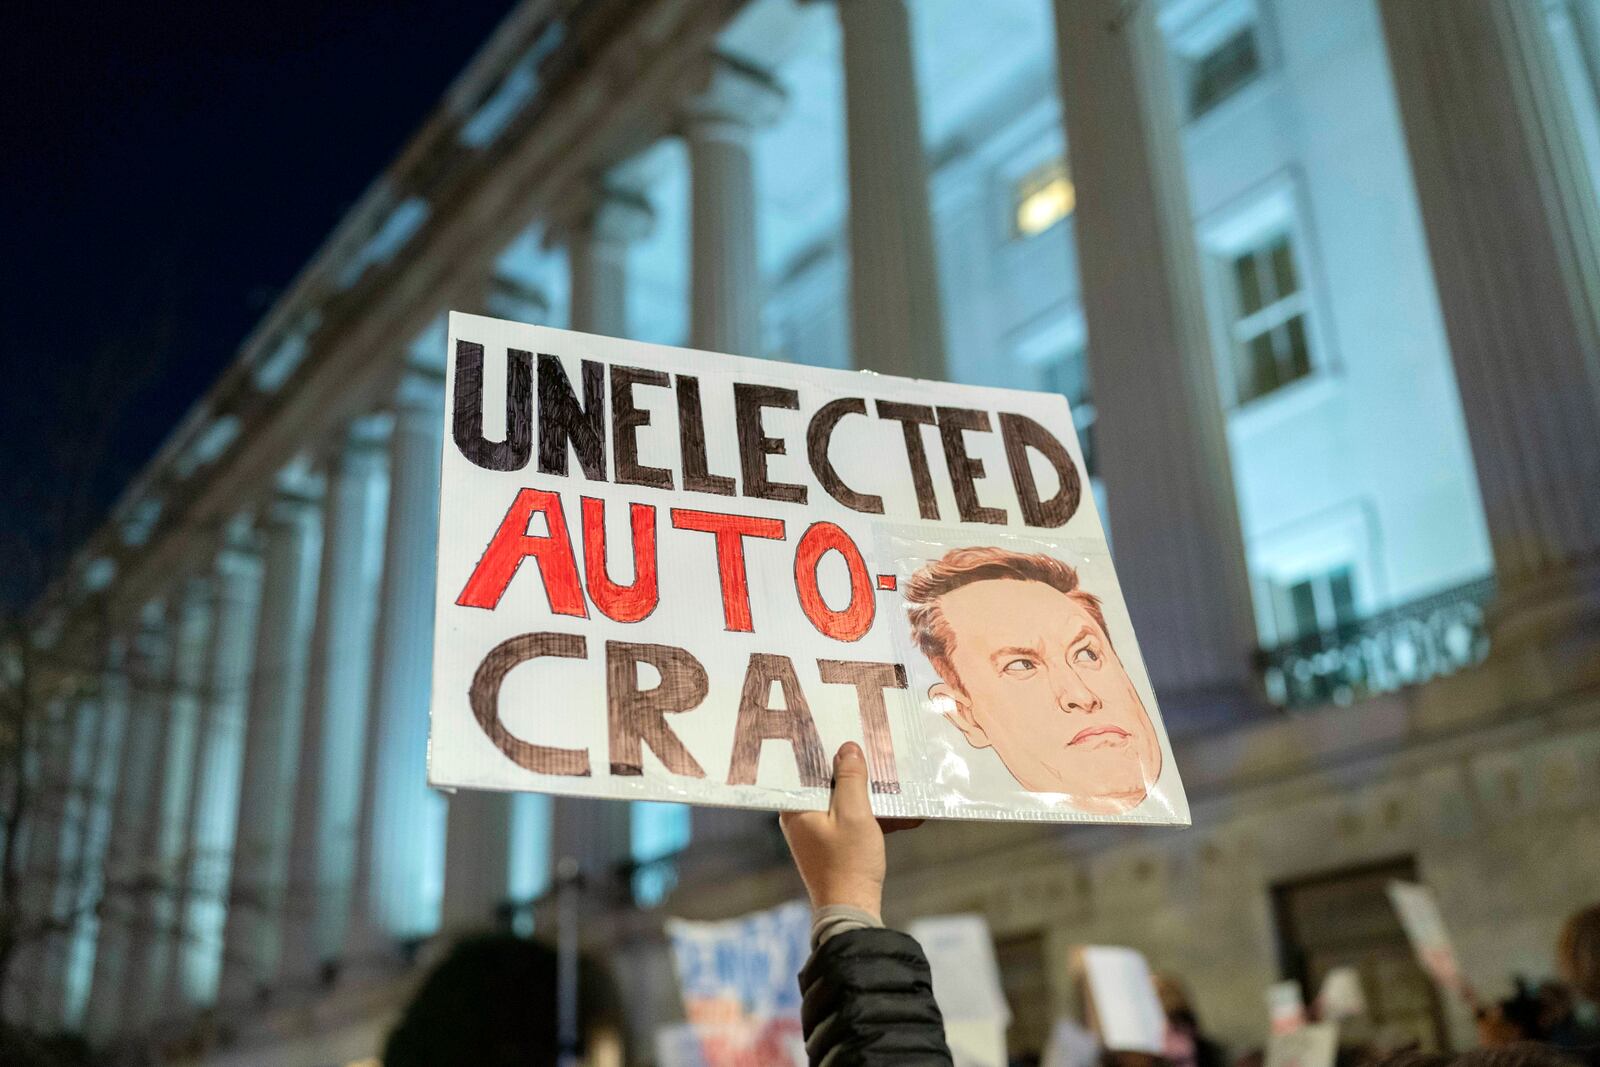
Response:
column 1347, row 535
column 1196, row 29
column 1275, row 206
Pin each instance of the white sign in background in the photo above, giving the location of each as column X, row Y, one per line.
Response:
column 557, row 670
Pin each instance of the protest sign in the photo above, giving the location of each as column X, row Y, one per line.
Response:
column 1424, row 926
column 1341, row 996
column 1286, row 1006
column 1123, row 1006
column 740, row 995
column 966, row 985
column 1313, row 1045
column 672, row 575
column 1070, row 1045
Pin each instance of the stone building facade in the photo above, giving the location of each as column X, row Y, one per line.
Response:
column 1334, row 344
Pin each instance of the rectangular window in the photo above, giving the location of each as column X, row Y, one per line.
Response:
column 1224, row 70
column 1271, row 346
column 1345, row 919
column 1042, row 198
column 1321, row 603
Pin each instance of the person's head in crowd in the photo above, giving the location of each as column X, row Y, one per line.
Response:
column 1517, row 1054
column 492, row 1002
column 1027, row 668
column 1523, row 1016
column 1578, row 953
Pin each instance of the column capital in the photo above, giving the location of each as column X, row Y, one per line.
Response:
column 238, row 545
column 602, row 212
column 725, row 97
column 519, row 299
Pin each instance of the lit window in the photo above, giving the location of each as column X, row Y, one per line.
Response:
column 1321, row 603
column 1043, row 198
column 1271, row 346
column 1223, row 71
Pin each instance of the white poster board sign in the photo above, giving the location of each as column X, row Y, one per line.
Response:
column 1070, row 1045
column 1123, row 1001
column 671, row 575
column 1419, row 914
column 1286, row 1006
column 1341, row 996
column 966, row 985
column 1314, row 1045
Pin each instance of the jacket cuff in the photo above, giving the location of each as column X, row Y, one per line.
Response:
column 832, row 920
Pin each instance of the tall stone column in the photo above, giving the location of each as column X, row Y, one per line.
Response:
column 896, row 326
column 603, row 222
column 1161, row 436
column 477, row 866
column 595, row 833
column 164, row 837
column 291, row 534
column 47, row 762
column 149, row 663
column 727, row 101
column 327, row 800
column 82, row 913
column 399, row 878
column 237, row 604
column 1514, row 234
column 68, row 864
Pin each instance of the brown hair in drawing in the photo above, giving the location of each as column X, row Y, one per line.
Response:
column 1027, row 668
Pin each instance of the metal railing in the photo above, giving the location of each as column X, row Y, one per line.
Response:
column 1403, row 646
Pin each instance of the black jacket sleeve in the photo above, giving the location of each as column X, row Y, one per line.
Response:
column 867, row 1001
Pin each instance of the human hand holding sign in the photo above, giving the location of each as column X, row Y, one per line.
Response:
column 839, row 852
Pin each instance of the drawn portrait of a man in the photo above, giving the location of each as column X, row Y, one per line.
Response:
column 1026, row 667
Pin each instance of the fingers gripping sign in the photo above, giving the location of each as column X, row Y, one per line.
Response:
column 840, row 852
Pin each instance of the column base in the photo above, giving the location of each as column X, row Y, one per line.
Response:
column 1548, row 631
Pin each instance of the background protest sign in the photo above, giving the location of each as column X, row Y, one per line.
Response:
column 672, row 575
column 966, row 985
column 1312, row 1045
column 1341, row 996
column 739, row 990
column 1123, row 1006
column 1286, row 1006
column 1424, row 926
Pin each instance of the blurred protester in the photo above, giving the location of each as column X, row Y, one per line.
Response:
column 492, row 1003
column 1517, row 1054
column 868, row 992
column 1576, row 1029
column 1187, row 1044
column 1578, row 954
column 1546, row 1013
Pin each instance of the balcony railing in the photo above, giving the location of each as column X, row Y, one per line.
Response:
column 1400, row 647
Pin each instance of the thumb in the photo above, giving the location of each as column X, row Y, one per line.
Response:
column 850, row 799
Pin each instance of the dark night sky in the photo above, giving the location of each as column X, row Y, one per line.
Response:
column 167, row 169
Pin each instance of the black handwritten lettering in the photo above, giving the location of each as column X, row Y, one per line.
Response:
column 513, row 453
column 964, row 470
column 818, row 433
column 1021, row 433
column 562, row 420
column 755, row 446
column 692, row 441
column 912, row 417
column 625, row 422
